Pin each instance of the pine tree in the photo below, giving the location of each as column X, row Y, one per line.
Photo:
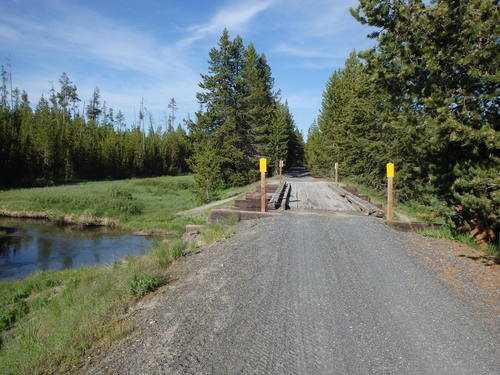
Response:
column 4, row 92
column 67, row 96
column 350, row 125
column 317, row 151
column 221, row 122
column 279, row 136
column 439, row 62
column 207, row 167
column 94, row 107
column 259, row 99
column 296, row 149
column 285, row 141
column 172, row 106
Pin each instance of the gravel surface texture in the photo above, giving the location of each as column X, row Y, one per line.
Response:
column 313, row 293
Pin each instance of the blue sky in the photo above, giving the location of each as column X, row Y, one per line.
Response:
column 157, row 49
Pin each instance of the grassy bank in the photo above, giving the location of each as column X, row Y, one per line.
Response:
column 49, row 320
column 139, row 204
column 447, row 233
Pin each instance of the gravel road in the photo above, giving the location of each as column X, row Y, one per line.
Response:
column 307, row 293
column 303, row 196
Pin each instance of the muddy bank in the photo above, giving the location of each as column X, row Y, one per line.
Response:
column 82, row 220
column 60, row 219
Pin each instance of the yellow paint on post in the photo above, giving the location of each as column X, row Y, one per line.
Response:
column 390, row 191
column 263, row 165
column 390, row 170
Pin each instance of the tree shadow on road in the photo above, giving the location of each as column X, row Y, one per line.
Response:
column 298, row 172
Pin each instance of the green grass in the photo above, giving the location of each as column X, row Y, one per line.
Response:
column 216, row 232
column 166, row 252
column 415, row 211
column 54, row 317
column 2, row 233
column 446, row 232
column 139, row 203
column 49, row 320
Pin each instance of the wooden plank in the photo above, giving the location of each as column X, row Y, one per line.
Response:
column 221, row 214
column 270, row 188
column 350, row 189
column 247, row 204
column 286, row 197
column 256, row 195
column 278, row 193
column 357, row 202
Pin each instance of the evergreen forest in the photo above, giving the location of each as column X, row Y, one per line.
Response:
column 241, row 118
column 425, row 97
column 58, row 141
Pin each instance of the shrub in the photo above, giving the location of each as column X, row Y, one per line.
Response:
column 120, row 193
column 10, row 314
column 167, row 252
column 139, row 286
column 124, row 202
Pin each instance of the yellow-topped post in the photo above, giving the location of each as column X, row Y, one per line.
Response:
column 263, row 196
column 390, row 191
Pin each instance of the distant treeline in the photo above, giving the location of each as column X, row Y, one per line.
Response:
column 241, row 118
column 55, row 142
column 427, row 98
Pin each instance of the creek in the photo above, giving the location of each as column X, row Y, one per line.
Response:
column 29, row 246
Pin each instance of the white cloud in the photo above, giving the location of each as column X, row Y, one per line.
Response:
column 324, row 65
column 321, row 18
column 78, row 32
column 71, row 34
column 333, row 20
column 308, row 99
column 127, row 63
column 7, row 32
column 303, row 52
column 234, row 17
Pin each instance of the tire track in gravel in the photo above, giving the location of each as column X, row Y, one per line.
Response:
column 306, row 294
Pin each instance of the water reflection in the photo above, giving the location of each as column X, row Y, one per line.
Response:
column 33, row 245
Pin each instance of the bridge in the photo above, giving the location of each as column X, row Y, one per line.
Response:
column 320, row 288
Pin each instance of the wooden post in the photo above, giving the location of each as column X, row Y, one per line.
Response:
column 281, row 170
column 336, row 173
column 390, row 191
column 390, row 199
column 263, row 196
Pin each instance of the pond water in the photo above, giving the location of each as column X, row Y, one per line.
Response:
column 30, row 246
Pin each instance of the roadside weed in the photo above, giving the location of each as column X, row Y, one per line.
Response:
column 446, row 232
column 141, row 285
column 167, row 251
column 216, row 232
